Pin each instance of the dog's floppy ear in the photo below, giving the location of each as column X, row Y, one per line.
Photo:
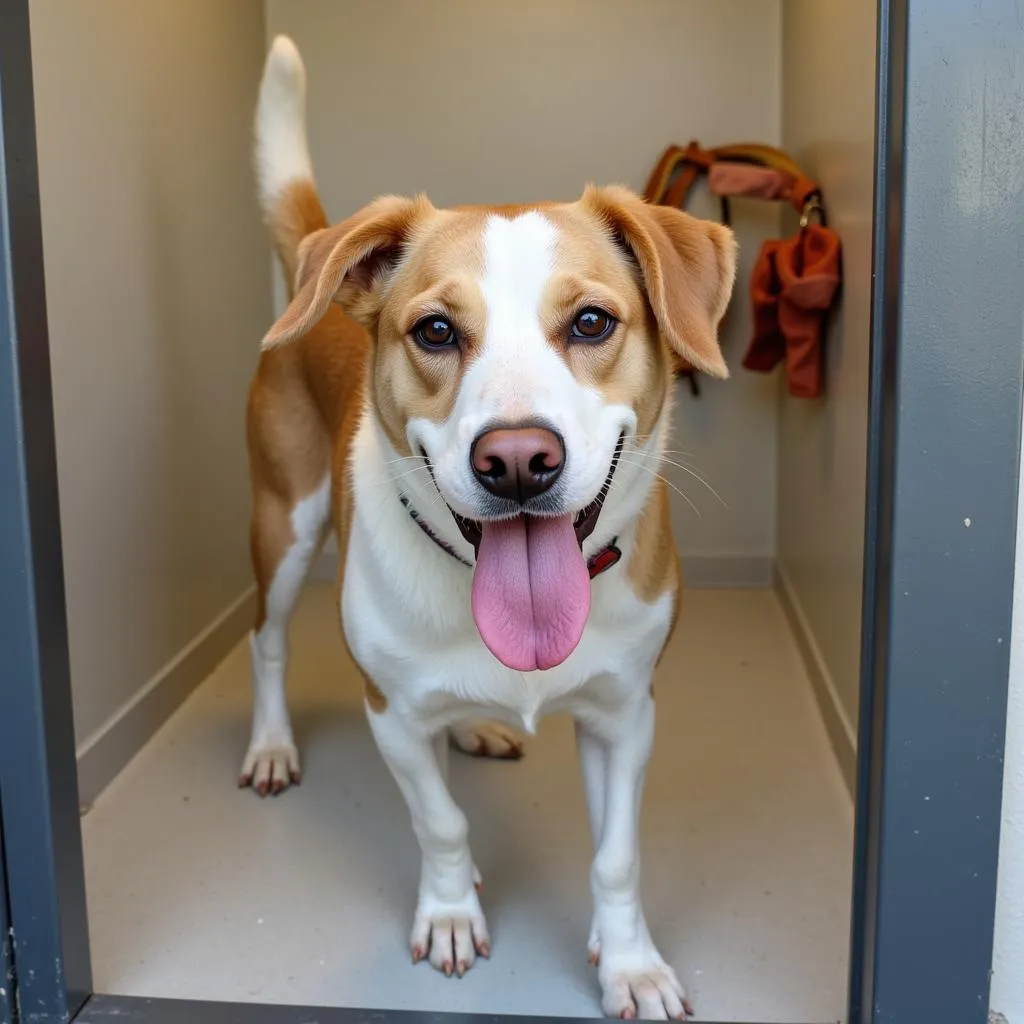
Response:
column 347, row 263
column 688, row 268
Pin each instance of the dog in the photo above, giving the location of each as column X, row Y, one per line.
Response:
column 474, row 399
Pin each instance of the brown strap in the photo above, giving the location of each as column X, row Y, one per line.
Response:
column 804, row 190
column 678, row 194
column 690, row 163
column 662, row 173
column 758, row 153
column 678, row 169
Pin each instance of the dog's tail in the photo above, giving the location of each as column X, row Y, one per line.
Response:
column 284, row 171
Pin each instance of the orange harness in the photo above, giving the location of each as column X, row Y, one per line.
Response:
column 795, row 280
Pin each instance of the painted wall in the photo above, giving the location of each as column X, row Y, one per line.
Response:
column 488, row 102
column 157, row 289
column 828, row 125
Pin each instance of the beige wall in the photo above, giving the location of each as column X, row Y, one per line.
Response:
column 1007, row 995
column 828, row 125
column 493, row 102
column 157, row 288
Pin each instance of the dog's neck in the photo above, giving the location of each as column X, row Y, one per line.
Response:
column 599, row 562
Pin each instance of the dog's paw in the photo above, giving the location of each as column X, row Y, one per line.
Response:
column 270, row 768
column 643, row 987
column 450, row 935
column 486, row 739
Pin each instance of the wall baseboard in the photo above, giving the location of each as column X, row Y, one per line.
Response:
column 700, row 572
column 106, row 752
column 841, row 732
column 103, row 754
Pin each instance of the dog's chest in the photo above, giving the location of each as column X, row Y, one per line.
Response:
column 413, row 633
column 406, row 612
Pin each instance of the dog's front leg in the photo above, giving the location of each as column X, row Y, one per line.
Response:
column 449, row 927
column 635, row 980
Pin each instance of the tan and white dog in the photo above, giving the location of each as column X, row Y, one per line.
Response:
column 475, row 399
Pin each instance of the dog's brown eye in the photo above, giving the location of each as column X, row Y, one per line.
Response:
column 593, row 325
column 434, row 332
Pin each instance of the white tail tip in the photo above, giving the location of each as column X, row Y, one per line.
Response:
column 282, row 153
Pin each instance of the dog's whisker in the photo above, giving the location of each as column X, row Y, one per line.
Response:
column 663, row 451
column 667, row 451
column 619, row 483
column 438, row 496
column 639, row 437
column 406, row 458
column 664, row 457
column 672, row 487
column 668, row 483
column 408, row 472
column 415, row 469
column 692, row 471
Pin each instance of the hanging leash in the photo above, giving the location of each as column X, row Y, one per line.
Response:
column 795, row 281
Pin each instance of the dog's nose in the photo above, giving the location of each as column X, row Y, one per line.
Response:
column 518, row 463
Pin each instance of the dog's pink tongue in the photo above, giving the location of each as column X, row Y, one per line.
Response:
column 531, row 591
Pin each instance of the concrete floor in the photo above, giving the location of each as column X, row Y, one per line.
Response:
column 200, row 890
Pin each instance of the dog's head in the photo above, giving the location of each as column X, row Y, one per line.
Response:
column 523, row 353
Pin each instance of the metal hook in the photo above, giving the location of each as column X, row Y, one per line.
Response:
column 812, row 206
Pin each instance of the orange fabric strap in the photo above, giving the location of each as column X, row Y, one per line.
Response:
column 795, row 280
column 678, row 169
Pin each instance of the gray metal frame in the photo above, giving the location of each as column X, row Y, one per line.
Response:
column 38, row 780
column 944, row 447
column 944, row 458
column 6, row 960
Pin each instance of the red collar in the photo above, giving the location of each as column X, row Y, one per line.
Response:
column 599, row 562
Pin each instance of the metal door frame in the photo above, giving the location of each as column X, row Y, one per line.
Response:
column 6, row 960
column 944, row 458
column 947, row 375
column 38, row 776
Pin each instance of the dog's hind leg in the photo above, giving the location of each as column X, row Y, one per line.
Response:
column 285, row 540
column 486, row 739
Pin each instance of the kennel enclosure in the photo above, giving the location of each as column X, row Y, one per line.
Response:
column 946, row 376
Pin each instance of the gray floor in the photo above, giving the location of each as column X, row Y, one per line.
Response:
column 199, row 890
